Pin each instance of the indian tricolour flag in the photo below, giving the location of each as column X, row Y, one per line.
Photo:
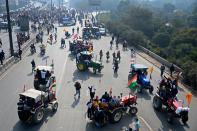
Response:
column 53, row 86
column 75, row 36
column 132, row 83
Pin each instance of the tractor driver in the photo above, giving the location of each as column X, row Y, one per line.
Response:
column 106, row 97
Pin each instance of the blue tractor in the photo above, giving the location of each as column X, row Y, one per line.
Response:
column 142, row 81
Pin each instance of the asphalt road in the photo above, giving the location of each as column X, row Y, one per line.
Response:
column 71, row 112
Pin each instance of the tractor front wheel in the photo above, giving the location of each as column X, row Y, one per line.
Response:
column 133, row 110
column 157, row 103
column 81, row 66
column 54, row 107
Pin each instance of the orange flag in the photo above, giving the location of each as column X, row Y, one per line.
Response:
column 189, row 98
column 110, row 91
column 150, row 69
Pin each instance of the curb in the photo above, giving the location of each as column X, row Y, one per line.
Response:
column 183, row 86
column 11, row 60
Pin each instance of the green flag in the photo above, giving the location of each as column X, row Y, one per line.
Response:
column 132, row 83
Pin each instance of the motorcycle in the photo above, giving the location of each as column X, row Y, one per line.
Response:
column 107, row 56
column 42, row 50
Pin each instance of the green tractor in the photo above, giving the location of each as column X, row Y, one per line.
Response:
column 84, row 61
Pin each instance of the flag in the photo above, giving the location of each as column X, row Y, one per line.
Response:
column 90, row 49
column 53, row 86
column 150, row 69
column 132, row 83
column 74, row 36
column 189, row 98
column 110, row 91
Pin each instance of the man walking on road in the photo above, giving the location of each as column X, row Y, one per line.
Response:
column 77, row 87
column 135, row 126
column 77, row 30
column 162, row 68
column 73, row 30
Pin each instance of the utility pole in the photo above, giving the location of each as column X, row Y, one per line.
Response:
column 51, row 9
column 9, row 28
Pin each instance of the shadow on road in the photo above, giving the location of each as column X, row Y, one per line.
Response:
column 145, row 94
column 30, row 74
column 125, row 121
column 71, row 56
column 115, row 75
column 75, row 102
column 20, row 126
column 77, row 75
column 175, row 126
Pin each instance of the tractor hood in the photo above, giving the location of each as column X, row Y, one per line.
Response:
column 145, row 80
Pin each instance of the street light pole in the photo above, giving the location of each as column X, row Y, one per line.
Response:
column 9, row 28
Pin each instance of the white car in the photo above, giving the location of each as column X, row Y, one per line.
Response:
column 102, row 31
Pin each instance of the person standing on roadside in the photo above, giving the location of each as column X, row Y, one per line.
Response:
column 1, row 58
column 162, row 69
column 171, row 69
column 20, row 53
column 73, row 30
column 77, row 88
column 77, row 30
column 0, row 43
column 135, row 126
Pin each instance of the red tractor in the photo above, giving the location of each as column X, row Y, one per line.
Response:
column 103, row 112
column 79, row 46
column 174, row 106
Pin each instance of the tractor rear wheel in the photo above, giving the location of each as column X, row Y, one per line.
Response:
column 157, row 103
column 24, row 115
column 133, row 110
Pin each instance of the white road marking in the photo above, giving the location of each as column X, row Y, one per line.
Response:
column 62, row 73
column 9, row 69
column 150, row 129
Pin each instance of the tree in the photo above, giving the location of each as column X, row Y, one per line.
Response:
column 139, row 19
column 162, row 39
column 168, row 8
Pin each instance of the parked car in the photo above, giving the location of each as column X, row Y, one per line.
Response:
column 4, row 25
column 102, row 31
